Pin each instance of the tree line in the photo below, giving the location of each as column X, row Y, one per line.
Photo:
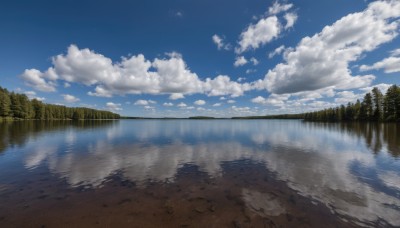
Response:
column 19, row 106
column 375, row 106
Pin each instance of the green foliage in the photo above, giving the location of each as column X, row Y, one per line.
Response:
column 14, row 105
column 5, row 103
column 374, row 107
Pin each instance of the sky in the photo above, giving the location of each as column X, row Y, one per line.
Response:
column 181, row 58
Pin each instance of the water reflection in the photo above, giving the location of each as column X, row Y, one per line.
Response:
column 350, row 168
column 18, row 133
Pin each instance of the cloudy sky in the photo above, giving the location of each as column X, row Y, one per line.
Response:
column 200, row 57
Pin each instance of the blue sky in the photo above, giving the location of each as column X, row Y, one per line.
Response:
column 185, row 58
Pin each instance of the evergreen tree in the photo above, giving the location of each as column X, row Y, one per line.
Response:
column 378, row 104
column 5, row 103
column 38, row 109
column 367, row 103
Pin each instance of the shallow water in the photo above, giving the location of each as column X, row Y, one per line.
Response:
column 196, row 173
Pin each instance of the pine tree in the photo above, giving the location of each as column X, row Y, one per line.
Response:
column 5, row 103
column 378, row 104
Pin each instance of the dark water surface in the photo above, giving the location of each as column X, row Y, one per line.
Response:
column 199, row 173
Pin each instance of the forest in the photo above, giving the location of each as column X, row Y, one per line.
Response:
column 19, row 106
column 375, row 106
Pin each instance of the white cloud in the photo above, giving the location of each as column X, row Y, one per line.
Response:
column 182, row 105
column 222, row 85
column 241, row 109
column 277, row 51
column 290, row 18
column 267, row 28
column 231, row 101
column 200, row 102
column 273, row 99
column 31, row 95
column 240, row 61
column 222, row 98
column 322, row 60
column 148, row 107
column 200, row 109
column 383, row 87
column 220, row 42
column 258, row 100
column 69, row 98
column 389, row 65
column 259, row 34
column 395, row 52
column 254, row 61
column 168, row 104
column 278, row 8
column 38, row 80
column 345, row 97
column 133, row 75
column 217, row 104
column 67, row 85
column 113, row 107
column 141, row 102
column 176, row 96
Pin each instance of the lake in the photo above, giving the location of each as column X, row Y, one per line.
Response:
column 199, row 173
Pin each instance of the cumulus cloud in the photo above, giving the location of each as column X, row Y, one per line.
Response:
column 389, row 65
column 133, row 75
column 220, row 43
column 222, row 85
column 176, row 96
column 31, row 95
column 67, row 85
column 38, row 80
column 113, row 107
column 200, row 102
column 231, row 101
column 383, row 87
column 256, row 35
column 69, row 98
column 322, row 60
column 240, row 61
column 346, row 97
column 267, row 29
column 217, row 104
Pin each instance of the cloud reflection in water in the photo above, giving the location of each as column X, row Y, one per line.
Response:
column 314, row 160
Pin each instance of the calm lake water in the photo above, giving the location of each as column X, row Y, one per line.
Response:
column 199, row 173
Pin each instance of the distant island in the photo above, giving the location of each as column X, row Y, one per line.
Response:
column 15, row 106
